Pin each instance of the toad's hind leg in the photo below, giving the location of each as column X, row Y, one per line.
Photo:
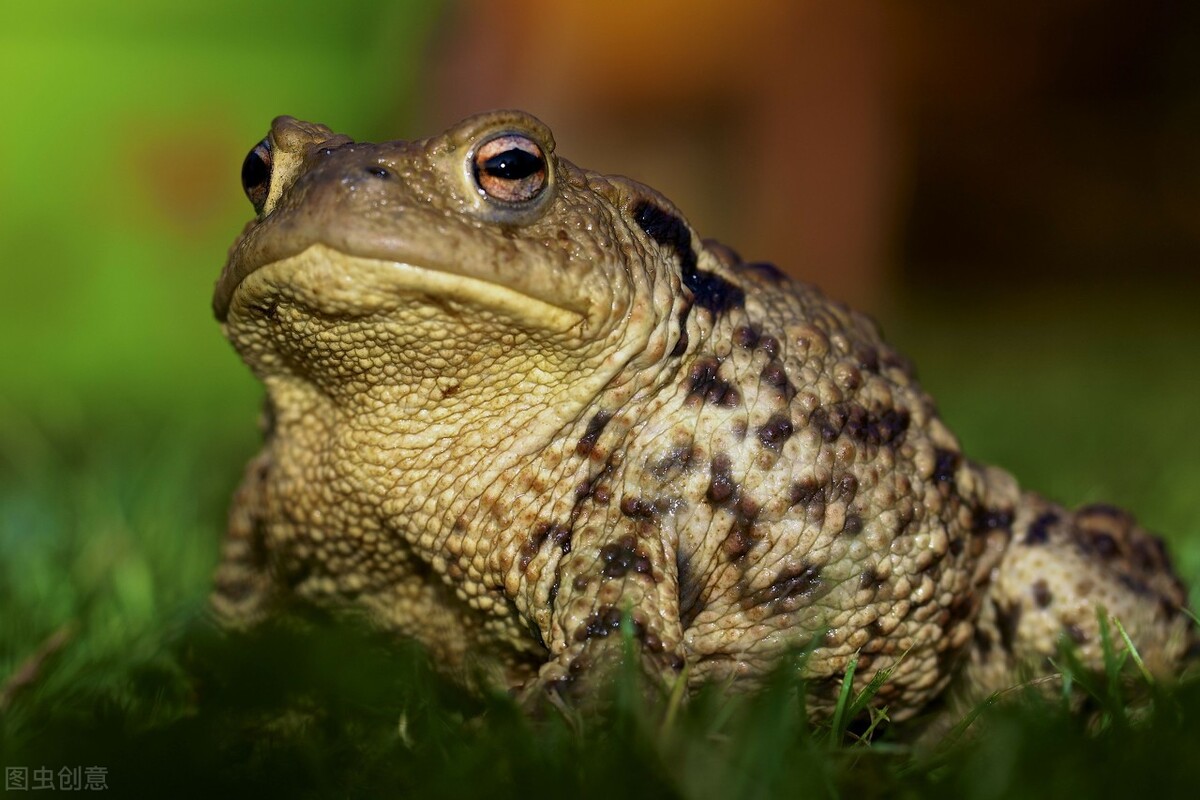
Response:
column 1059, row 567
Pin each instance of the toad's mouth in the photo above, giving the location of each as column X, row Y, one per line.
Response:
column 330, row 282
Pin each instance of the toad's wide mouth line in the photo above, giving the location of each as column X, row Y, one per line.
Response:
column 323, row 275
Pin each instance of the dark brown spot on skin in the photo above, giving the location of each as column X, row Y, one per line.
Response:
column 853, row 524
column 556, row 533
column 589, row 489
column 1135, row 585
column 769, row 345
column 600, row 624
column 670, row 466
column 682, row 343
column 702, row 374
column 885, row 427
column 622, row 556
column 739, row 429
column 804, row 491
column 774, row 375
column 747, row 507
column 1169, row 609
column 741, row 536
column 1042, row 594
column 560, row 535
column 844, row 489
column 869, row 579
column 1039, row 530
column 713, row 292
column 580, row 583
column 828, row 421
column 868, row 359
column 710, row 290
column 268, row 310
column 1008, row 619
column 595, row 427
column 945, row 465
column 607, row 620
column 637, row 508
column 704, row 384
column 983, row 642
column 798, row 583
column 987, row 519
column 690, row 605
column 775, row 431
column 531, row 546
column 1147, row 557
column 745, row 337
column 962, row 607
column 1100, row 544
column 720, row 485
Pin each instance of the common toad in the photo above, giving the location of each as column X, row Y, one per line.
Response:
column 510, row 401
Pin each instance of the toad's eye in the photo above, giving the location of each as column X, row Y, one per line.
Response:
column 510, row 168
column 256, row 174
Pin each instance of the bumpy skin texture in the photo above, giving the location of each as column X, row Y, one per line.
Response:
column 499, row 425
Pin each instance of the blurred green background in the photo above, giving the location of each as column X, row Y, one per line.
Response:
column 1014, row 190
column 125, row 125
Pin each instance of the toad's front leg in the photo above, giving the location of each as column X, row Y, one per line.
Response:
column 615, row 563
column 242, row 586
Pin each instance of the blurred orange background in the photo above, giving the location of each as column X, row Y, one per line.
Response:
column 863, row 144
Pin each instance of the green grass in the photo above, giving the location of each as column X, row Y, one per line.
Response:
column 110, row 518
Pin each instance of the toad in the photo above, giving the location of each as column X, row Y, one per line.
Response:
column 522, row 412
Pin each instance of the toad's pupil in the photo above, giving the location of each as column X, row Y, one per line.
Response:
column 513, row 165
column 256, row 169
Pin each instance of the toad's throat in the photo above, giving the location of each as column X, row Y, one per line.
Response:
column 334, row 283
